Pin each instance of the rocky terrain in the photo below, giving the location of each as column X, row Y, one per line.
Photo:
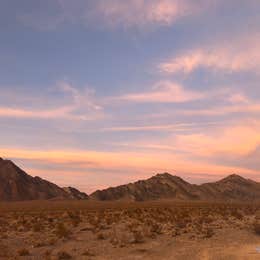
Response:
column 167, row 186
column 88, row 230
column 75, row 194
column 17, row 185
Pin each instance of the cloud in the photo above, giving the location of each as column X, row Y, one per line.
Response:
column 222, row 142
column 43, row 114
column 162, row 12
column 164, row 92
column 80, row 98
column 114, row 13
column 253, row 108
column 101, row 167
column 81, row 106
column 160, row 128
column 239, row 54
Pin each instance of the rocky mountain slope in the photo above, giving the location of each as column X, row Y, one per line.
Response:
column 166, row 186
column 75, row 194
column 16, row 185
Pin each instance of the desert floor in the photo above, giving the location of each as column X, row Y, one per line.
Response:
column 121, row 230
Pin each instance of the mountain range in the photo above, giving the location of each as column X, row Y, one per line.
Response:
column 17, row 185
column 167, row 186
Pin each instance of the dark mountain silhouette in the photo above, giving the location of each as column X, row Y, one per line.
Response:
column 16, row 185
column 167, row 186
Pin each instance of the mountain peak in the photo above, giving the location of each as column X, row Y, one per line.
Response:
column 167, row 186
column 234, row 177
column 15, row 184
column 163, row 175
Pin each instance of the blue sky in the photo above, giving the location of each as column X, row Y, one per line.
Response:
column 99, row 93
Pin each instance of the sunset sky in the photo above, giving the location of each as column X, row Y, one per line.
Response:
column 97, row 93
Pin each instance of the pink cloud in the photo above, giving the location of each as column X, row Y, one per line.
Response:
column 164, row 92
column 132, row 13
column 138, row 165
column 161, row 127
column 232, row 56
column 44, row 114
column 80, row 106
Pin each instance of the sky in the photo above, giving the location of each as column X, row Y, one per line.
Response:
column 97, row 93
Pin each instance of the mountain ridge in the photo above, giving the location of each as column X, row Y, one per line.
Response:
column 167, row 186
column 16, row 185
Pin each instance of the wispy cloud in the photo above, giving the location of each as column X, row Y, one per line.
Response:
column 160, row 128
column 252, row 108
column 139, row 164
column 44, row 114
column 223, row 141
column 116, row 13
column 164, row 92
column 152, row 12
column 81, row 106
column 240, row 54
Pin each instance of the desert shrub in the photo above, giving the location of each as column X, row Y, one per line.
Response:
column 156, row 228
column 175, row 232
column 63, row 255
column 23, row 252
column 138, row 236
column 61, row 231
column 256, row 227
column 37, row 227
column 181, row 224
column 208, row 219
column 237, row 214
column 100, row 236
column 87, row 252
column 208, row 233
column 74, row 217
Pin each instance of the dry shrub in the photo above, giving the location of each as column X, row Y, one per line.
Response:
column 37, row 227
column 138, row 236
column 87, row 252
column 61, row 231
column 23, row 252
column 175, row 232
column 156, row 228
column 208, row 233
column 63, row 255
column 100, row 236
column 257, row 227
column 74, row 218
column 237, row 214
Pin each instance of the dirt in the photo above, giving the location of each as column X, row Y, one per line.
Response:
column 218, row 231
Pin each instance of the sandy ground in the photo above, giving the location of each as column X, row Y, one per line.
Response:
column 113, row 235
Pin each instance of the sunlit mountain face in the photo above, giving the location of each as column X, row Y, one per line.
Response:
column 101, row 93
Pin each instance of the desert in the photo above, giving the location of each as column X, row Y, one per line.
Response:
column 169, row 219
column 134, row 230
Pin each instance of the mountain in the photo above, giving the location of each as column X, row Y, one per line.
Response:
column 156, row 187
column 75, row 194
column 233, row 187
column 15, row 184
column 167, row 186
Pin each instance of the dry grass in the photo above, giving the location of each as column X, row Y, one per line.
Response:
column 118, row 224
